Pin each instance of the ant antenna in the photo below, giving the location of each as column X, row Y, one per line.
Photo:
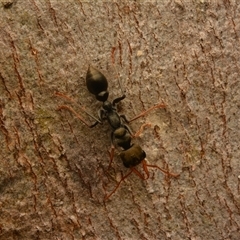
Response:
column 115, row 69
column 82, row 47
column 74, row 112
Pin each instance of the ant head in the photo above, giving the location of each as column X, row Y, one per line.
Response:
column 132, row 156
column 102, row 96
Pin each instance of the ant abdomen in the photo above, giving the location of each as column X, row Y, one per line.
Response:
column 97, row 84
column 132, row 156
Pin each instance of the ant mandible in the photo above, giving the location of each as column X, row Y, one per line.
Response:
column 121, row 136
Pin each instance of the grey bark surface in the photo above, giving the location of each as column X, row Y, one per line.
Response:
column 54, row 170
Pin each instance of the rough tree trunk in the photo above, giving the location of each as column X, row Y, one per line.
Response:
column 54, row 170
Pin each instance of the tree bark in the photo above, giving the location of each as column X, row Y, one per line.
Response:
column 55, row 170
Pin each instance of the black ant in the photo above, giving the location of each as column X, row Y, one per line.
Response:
column 131, row 154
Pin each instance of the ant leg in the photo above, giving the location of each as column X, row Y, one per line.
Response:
column 111, row 155
column 124, row 118
column 145, row 165
column 141, row 129
column 102, row 114
column 78, row 116
column 59, row 94
column 123, row 178
column 141, row 175
column 160, row 105
column 128, row 129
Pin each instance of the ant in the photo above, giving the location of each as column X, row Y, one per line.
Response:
column 121, row 135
